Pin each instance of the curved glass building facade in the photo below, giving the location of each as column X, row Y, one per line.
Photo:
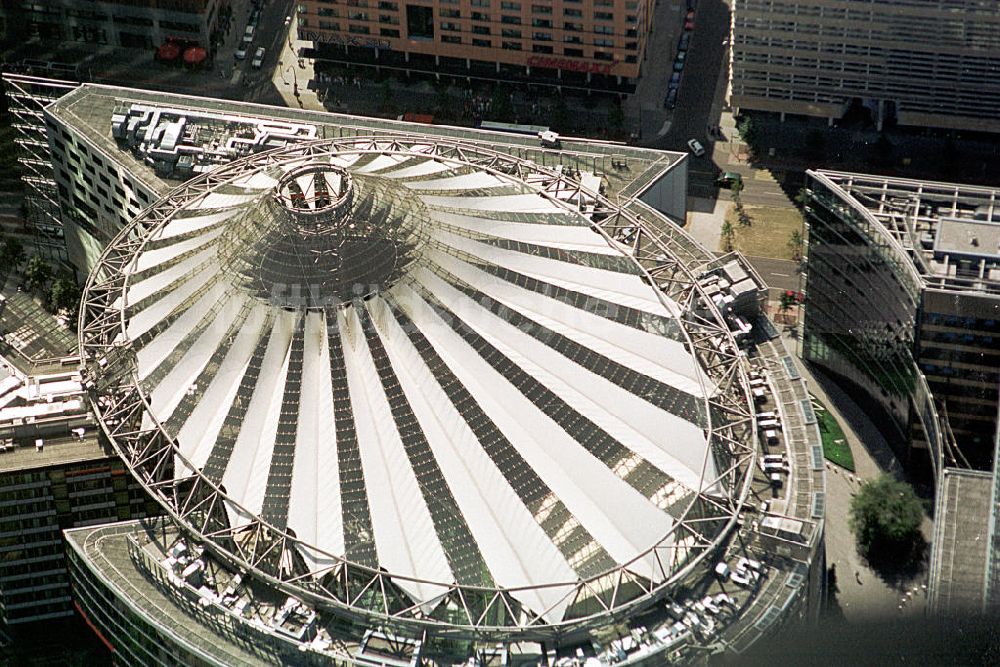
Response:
column 903, row 301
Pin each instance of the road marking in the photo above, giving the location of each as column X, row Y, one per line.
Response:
column 783, row 275
column 665, row 128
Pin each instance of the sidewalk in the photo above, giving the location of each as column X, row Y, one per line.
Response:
column 861, row 594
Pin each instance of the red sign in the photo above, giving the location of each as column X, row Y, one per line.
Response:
column 571, row 65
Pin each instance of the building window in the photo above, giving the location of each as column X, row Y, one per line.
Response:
column 388, row 32
column 541, row 23
column 451, row 39
column 601, row 55
column 480, row 16
column 576, row 13
column 574, row 53
column 514, row 6
column 453, row 27
column 604, row 16
column 358, row 16
column 541, row 37
column 482, row 42
column 541, row 9
column 481, row 29
column 511, row 46
column 391, row 6
column 541, row 48
column 358, row 29
column 450, row 13
column 420, row 22
column 572, row 39
column 511, row 20
column 573, row 27
column 480, row 3
column 510, row 32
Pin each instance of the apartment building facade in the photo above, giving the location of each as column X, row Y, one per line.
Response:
column 924, row 63
column 66, row 484
column 141, row 24
column 592, row 44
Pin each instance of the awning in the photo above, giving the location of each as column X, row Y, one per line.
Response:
column 195, row 55
column 168, row 51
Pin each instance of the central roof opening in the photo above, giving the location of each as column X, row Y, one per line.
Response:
column 323, row 237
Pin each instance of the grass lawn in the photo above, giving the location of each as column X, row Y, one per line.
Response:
column 769, row 234
column 835, row 447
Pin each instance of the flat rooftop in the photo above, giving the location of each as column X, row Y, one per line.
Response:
column 55, row 452
column 950, row 231
column 974, row 239
column 961, row 542
column 627, row 169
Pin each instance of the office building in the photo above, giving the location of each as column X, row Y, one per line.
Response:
column 137, row 24
column 572, row 44
column 903, row 301
column 924, row 63
column 430, row 286
column 54, row 475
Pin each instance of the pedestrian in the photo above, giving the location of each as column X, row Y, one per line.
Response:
column 857, row 577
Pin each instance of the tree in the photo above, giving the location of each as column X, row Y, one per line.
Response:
column 387, row 104
column 560, row 114
column 616, row 120
column 728, row 236
column 736, row 189
column 501, row 106
column 796, row 243
column 885, row 517
column 36, row 273
column 64, row 294
column 11, row 253
column 788, row 299
column 747, row 130
column 815, row 145
column 802, row 197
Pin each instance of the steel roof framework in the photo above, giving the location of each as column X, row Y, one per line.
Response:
column 359, row 592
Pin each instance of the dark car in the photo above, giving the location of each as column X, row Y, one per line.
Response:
column 675, row 79
column 684, row 42
column 728, row 178
column 670, row 101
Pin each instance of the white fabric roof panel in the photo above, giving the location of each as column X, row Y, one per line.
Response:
column 404, row 533
column 565, row 237
column 354, row 479
column 623, row 521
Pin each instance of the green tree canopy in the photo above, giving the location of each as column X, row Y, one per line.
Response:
column 64, row 295
column 37, row 272
column 11, row 253
column 885, row 517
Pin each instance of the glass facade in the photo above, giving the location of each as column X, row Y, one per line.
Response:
column 908, row 322
column 861, row 305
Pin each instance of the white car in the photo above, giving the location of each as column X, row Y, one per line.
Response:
column 696, row 147
column 258, row 58
column 241, row 53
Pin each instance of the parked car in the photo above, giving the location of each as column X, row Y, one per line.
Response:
column 675, row 79
column 696, row 147
column 728, row 178
column 258, row 58
column 670, row 101
column 678, row 65
column 684, row 41
column 241, row 52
